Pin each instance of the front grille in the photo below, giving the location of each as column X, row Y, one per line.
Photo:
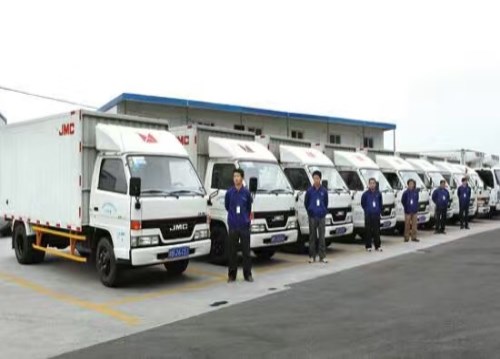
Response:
column 276, row 219
column 387, row 209
column 338, row 214
column 422, row 206
column 174, row 228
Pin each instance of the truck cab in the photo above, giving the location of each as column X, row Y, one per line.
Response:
column 398, row 172
column 491, row 178
column 432, row 177
column 454, row 179
column 299, row 163
column 356, row 169
column 482, row 194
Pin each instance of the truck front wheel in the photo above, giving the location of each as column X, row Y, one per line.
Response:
column 108, row 269
column 219, row 247
column 264, row 253
column 177, row 267
column 23, row 246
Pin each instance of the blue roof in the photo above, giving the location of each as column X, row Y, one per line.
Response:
column 201, row 105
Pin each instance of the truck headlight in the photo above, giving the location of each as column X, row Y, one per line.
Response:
column 393, row 212
column 254, row 228
column 144, row 241
column 293, row 225
column 201, row 233
column 348, row 218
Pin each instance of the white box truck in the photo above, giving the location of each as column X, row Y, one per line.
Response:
column 398, row 172
column 432, row 177
column 356, row 168
column 482, row 193
column 216, row 152
column 299, row 161
column 454, row 177
column 116, row 189
column 491, row 178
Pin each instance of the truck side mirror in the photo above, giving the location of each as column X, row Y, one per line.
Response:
column 324, row 183
column 134, row 189
column 253, row 184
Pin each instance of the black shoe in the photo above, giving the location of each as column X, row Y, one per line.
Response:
column 443, row 232
column 231, row 279
column 407, row 240
column 461, row 227
column 249, row 278
column 467, row 227
column 415, row 240
column 436, row 232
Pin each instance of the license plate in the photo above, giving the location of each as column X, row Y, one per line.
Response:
column 178, row 252
column 340, row 230
column 279, row 238
column 421, row 219
column 386, row 224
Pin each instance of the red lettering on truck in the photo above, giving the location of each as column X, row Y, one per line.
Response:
column 184, row 140
column 149, row 138
column 67, row 129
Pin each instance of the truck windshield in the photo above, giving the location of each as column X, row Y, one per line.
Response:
column 408, row 175
column 162, row 175
column 368, row 173
column 335, row 182
column 487, row 177
column 436, row 178
column 497, row 175
column 477, row 180
column 449, row 180
column 270, row 176
column 458, row 179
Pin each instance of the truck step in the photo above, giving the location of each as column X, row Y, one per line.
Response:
column 61, row 254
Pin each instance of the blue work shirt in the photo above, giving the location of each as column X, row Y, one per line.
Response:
column 238, row 205
column 464, row 194
column 441, row 197
column 316, row 202
column 410, row 201
column 371, row 201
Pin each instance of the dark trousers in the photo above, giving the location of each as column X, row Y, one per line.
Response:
column 317, row 237
column 372, row 231
column 440, row 218
column 237, row 236
column 464, row 216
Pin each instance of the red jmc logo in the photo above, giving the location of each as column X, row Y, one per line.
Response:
column 67, row 129
column 149, row 138
column 184, row 140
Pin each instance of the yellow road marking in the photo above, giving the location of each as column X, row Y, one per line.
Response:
column 197, row 271
column 160, row 293
column 98, row 308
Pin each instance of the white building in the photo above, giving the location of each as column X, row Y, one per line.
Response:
column 314, row 128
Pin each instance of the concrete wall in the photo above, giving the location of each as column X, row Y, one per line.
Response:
column 313, row 131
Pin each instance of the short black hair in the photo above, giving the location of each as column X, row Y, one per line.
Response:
column 464, row 179
column 442, row 181
column 317, row 173
column 240, row 171
column 411, row 180
column 372, row 179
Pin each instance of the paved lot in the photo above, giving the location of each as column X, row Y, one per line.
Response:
column 441, row 303
column 69, row 298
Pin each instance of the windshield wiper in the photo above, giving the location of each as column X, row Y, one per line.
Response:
column 280, row 190
column 182, row 191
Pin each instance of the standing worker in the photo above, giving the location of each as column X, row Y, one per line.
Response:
column 371, row 201
column 464, row 194
column 441, row 197
column 410, row 204
column 316, row 203
column 238, row 203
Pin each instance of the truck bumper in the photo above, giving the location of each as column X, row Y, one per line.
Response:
column 387, row 223
column 423, row 217
column 265, row 239
column 483, row 210
column 159, row 254
column 339, row 230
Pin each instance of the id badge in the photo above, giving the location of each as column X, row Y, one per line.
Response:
column 411, row 202
column 374, row 204
column 238, row 209
column 317, row 202
column 465, row 195
column 444, row 198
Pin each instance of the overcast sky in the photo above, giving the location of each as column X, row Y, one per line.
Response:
column 431, row 67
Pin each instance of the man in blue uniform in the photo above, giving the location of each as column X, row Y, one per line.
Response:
column 238, row 204
column 410, row 205
column 441, row 197
column 371, row 201
column 464, row 194
column 316, row 204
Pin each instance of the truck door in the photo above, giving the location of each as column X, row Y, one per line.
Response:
column 110, row 203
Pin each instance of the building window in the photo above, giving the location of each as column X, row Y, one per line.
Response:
column 239, row 127
column 335, row 139
column 257, row 131
column 210, row 124
column 368, row 142
column 298, row 134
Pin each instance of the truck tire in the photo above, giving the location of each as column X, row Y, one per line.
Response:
column 177, row 267
column 264, row 253
column 108, row 269
column 219, row 248
column 23, row 246
column 350, row 237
